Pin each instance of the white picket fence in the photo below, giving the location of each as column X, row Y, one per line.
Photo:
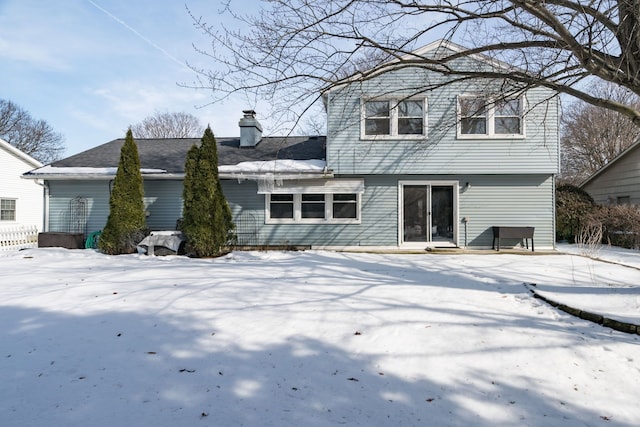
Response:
column 18, row 237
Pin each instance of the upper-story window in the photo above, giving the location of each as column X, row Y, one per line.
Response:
column 483, row 116
column 394, row 118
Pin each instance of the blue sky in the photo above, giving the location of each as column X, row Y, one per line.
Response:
column 91, row 68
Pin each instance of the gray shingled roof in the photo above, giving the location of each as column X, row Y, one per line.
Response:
column 170, row 154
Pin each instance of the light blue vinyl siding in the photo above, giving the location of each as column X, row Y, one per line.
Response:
column 441, row 152
column 515, row 200
column 511, row 200
column 163, row 202
column 61, row 193
column 378, row 226
column 525, row 200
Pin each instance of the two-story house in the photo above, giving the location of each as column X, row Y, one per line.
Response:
column 399, row 168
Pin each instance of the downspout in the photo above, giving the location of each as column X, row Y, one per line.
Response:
column 45, row 204
column 553, row 176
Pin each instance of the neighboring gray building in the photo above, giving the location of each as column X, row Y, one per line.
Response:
column 618, row 182
column 396, row 170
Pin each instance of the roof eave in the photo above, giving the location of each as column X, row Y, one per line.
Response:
column 252, row 176
column 248, row 176
column 611, row 163
column 97, row 177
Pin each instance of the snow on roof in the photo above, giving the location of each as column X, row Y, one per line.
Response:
column 275, row 166
column 53, row 170
column 250, row 168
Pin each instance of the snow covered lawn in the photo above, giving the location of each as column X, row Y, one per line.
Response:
column 315, row 339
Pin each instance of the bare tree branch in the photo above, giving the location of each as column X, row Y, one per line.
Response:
column 593, row 136
column 33, row 137
column 294, row 49
column 168, row 125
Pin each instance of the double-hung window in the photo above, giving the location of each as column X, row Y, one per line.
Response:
column 281, row 206
column 377, row 118
column 490, row 117
column 312, row 206
column 345, row 206
column 394, row 118
column 7, row 209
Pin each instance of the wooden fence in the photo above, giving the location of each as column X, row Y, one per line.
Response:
column 18, row 237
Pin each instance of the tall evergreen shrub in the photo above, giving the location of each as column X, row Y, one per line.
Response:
column 126, row 223
column 207, row 222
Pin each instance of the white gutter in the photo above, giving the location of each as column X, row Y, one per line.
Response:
column 241, row 176
column 97, row 177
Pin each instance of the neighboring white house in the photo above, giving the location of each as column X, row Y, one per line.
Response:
column 21, row 200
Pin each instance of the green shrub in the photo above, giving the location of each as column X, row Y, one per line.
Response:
column 207, row 223
column 126, row 224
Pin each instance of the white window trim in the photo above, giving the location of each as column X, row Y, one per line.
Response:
column 490, row 117
column 456, row 212
column 393, row 126
column 15, row 210
column 328, row 211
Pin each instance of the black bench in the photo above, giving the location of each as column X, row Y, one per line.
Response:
column 500, row 232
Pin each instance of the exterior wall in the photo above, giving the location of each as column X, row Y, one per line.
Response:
column 61, row 194
column 508, row 200
column 163, row 202
column 511, row 177
column 29, row 195
column 441, row 151
column 518, row 200
column 620, row 179
column 511, row 200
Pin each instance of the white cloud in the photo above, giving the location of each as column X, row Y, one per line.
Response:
column 35, row 55
column 135, row 100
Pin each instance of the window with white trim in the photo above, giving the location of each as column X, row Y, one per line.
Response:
column 483, row 116
column 313, row 208
column 281, row 206
column 394, row 118
column 7, row 209
column 312, row 201
column 345, row 206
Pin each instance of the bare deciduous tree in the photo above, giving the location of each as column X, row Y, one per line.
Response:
column 31, row 136
column 592, row 136
column 294, row 49
column 168, row 125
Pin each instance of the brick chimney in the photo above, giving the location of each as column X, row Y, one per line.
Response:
column 250, row 129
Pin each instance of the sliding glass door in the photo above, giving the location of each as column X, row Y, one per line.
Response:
column 428, row 213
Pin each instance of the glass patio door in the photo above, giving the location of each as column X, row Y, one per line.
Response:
column 427, row 214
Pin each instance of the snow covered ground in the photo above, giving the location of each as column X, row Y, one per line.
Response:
column 316, row 339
